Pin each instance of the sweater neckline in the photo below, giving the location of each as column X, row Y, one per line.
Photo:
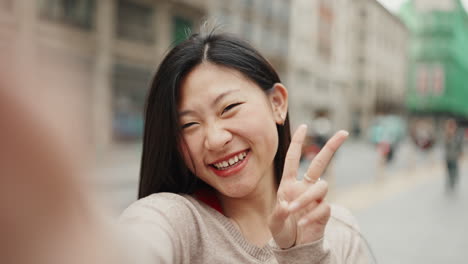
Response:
column 261, row 253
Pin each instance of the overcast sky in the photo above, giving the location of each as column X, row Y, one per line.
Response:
column 394, row 5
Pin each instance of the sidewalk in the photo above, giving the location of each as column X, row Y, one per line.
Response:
column 361, row 196
column 411, row 218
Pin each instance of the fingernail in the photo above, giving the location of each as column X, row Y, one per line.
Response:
column 293, row 206
column 345, row 133
column 283, row 203
column 302, row 222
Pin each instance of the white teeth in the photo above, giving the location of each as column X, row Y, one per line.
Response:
column 224, row 164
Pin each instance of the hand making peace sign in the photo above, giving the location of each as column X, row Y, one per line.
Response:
column 301, row 213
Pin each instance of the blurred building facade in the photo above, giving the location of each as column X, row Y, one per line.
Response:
column 348, row 61
column 438, row 70
column 114, row 46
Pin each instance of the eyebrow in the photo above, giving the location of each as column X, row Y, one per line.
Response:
column 216, row 101
column 221, row 96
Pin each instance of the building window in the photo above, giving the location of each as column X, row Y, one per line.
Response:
column 130, row 85
column 248, row 5
column 182, row 29
column 325, row 25
column 249, row 10
column 135, row 21
column 430, row 79
column 361, row 59
column 78, row 13
column 363, row 12
column 284, row 13
column 267, row 7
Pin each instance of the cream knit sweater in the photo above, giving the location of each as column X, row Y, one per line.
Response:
column 171, row 228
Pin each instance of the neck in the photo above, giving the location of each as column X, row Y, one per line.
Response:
column 251, row 212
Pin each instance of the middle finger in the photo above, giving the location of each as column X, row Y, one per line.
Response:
column 313, row 194
column 321, row 161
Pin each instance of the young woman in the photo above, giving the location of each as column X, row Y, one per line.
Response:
column 219, row 169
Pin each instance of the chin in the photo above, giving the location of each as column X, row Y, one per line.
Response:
column 237, row 190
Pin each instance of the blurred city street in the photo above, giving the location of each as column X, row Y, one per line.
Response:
column 421, row 224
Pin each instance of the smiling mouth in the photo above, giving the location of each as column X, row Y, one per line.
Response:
column 231, row 162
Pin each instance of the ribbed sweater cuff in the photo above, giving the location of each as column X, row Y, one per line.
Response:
column 315, row 253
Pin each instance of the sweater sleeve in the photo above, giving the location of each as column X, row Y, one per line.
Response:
column 154, row 233
column 313, row 253
column 354, row 246
column 341, row 244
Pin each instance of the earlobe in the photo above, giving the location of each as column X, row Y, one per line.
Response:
column 279, row 102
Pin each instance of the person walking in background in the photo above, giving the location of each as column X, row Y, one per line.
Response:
column 453, row 151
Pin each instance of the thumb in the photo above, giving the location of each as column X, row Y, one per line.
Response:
column 277, row 225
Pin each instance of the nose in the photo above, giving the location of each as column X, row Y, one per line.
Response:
column 216, row 137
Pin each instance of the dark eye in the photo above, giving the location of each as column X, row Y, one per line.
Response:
column 188, row 125
column 229, row 107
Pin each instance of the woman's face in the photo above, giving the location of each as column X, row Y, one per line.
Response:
column 229, row 128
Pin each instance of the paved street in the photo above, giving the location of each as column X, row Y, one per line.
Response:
column 357, row 162
column 422, row 224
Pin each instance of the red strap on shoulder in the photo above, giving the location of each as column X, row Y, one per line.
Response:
column 208, row 196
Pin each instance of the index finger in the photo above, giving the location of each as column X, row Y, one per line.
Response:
column 293, row 155
column 321, row 161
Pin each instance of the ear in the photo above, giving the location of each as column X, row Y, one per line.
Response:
column 279, row 102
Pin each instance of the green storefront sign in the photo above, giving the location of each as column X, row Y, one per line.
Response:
column 438, row 66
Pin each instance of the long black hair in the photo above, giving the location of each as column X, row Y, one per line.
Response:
column 162, row 165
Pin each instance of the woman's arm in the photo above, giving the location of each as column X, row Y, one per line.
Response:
column 163, row 227
column 47, row 213
column 46, row 216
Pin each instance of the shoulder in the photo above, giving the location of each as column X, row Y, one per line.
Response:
column 342, row 230
column 170, row 206
column 163, row 224
column 345, row 237
column 341, row 215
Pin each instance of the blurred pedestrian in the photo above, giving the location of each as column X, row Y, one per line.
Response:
column 422, row 133
column 387, row 132
column 453, row 151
